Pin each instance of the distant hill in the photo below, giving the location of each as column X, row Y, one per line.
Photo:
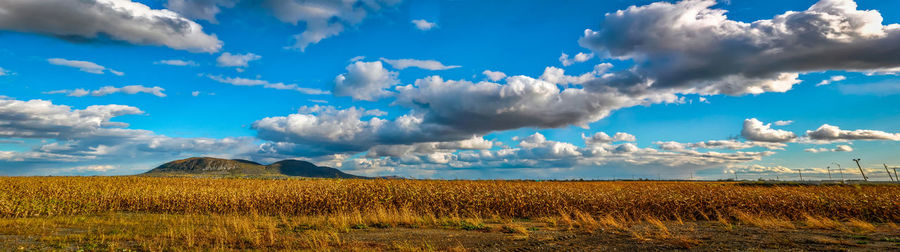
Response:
column 239, row 167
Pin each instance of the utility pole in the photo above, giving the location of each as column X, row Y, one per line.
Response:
column 829, row 172
column 801, row 174
column 888, row 172
column 860, row 169
column 895, row 174
column 841, row 170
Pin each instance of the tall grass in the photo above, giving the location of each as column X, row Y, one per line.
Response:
column 53, row 196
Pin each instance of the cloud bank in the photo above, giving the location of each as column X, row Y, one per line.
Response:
column 122, row 20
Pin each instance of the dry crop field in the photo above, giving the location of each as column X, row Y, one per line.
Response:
column 147, row 213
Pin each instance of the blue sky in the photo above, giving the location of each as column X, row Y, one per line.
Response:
column 696, row 88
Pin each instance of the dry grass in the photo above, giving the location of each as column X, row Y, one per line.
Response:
column 860, row 225
column 312, row 214
column 53, row 196
column 762, row 220
column 823, row 223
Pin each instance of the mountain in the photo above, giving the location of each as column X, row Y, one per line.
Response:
column 306, row 169
column 239, row 167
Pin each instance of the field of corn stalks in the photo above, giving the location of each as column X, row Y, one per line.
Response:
column 60, row 196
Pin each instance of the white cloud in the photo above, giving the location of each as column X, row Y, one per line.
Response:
column 441, row 111
column 835, row 78
column 423, row 64
column 423, row 25
column 3, row 72
column 755, row 130
column 357, row 58
column 195, row 93
column 320, row 130
column 84, row 66
column 602, row 137
column 695, row 49
column 199, row 9
column 365, row 81
column 494, row 75
column 839, row 148
column 107, row 90
column 817, row 150
column 761, row 169
column 73, row 137
column 843, row 148
column 410, row 151
column 237, row 81
column 719, row 144
column 698, row 56
column 121, row 20
column 176, row 62
column 236, row 60
column 323, row 18
column 42, row 119
column 828, row 132
column 783, row 122
column 580, row 57
column 557, row 75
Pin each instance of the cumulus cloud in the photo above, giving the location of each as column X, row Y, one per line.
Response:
column 84, row 66
column 107, row 90
column 176, row 62
column 755, row 130
column 3, row 72
column 580, row 57
column 494, row 75
column 323, row 18
column 427, row 150
column 200, row 9
column 558, row 75
column 121, row 20
column 602, row 137
column 357, row 58
column 522, row 101
column 423, row 25
column 442, row 111
column 719, row 144
column 365, row 81
column 75, row 136
column 536, row 151
column 237, row 81
column 839, row 148
column 702, row 53
column 783, row 122
column 423, row 64
column 42, row 119
column 835, row 78
column 321, row 130
column 828, row 132
column 236, row 60
column 843, row 148
column 760, row 169
column 690, row 47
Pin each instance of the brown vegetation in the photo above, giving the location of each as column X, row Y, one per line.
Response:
column 49, row 196
column 148, row 213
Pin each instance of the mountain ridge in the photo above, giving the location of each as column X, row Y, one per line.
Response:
column 224, row 167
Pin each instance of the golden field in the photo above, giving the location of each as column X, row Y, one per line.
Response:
column 153, row 213
column 53, row 196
